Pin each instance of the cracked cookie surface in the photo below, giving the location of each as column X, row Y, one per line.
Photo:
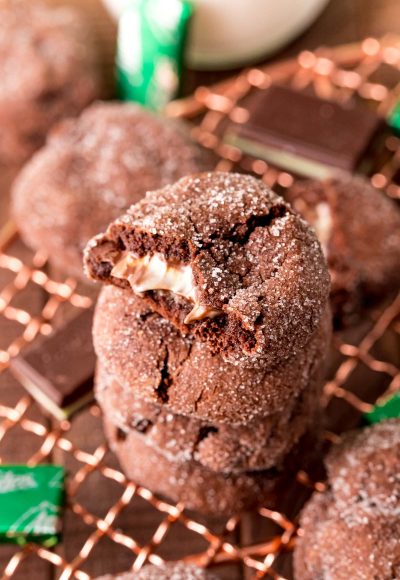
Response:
column 261, row 444
column 49, row 71
column 202, row 489
column 147, row 354
column 251, row 277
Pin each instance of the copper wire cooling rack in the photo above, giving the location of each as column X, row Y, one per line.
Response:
column 110, row 523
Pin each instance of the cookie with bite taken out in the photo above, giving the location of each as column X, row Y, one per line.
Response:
column 224, row 259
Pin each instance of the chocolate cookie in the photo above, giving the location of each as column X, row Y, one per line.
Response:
column 352, row 530
column 147, row 354
column 261, row 444
column 199, row 488
column 359, row 230
column 93, row 168
column 48, row 71
column 225, row 259
column 170, row 571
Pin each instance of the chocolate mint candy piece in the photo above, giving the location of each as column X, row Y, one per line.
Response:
column 31, row 499
column 304, row 134
column 58, row 370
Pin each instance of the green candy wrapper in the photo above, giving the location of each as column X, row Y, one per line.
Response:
column 151, row 41
column 394, row 119
column 389, row 409
column 31, row 499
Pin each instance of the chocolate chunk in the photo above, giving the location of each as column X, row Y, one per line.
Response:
column 304, row 134
column 58, row 370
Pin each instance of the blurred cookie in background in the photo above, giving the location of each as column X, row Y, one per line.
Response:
column 143, row 351
column 359, row 230
column 48, row 70
column 91, row 170
column 248, row 275
column 352, row 529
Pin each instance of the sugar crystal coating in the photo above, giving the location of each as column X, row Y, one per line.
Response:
column 200, row 488
column 168, row 571
column 260, row 444
column 147, row 354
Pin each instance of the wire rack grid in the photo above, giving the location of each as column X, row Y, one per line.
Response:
column 111, row 523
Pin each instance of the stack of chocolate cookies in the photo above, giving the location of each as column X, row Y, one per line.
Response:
column 211, row 338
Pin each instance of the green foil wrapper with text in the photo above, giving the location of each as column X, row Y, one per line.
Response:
column 151, row 44
column 31, row 500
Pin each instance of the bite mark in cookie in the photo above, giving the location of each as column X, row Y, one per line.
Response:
column 154, row 272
